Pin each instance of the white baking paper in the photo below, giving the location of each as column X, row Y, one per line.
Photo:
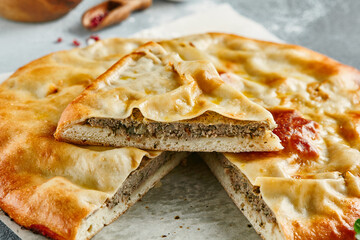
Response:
column 220, row 18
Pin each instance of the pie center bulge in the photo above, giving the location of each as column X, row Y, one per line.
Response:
column 153, row 95
column 166, row 89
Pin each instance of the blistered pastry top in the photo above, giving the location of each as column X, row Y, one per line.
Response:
column 164, row 88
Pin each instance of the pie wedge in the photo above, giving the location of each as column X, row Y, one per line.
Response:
column 151, row 99
column 60, row 190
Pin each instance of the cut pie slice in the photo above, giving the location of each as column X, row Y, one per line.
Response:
column 151, row 99
column 309, row 190
column 61, row 190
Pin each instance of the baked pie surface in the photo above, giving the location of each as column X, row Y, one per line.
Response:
column 312, row 186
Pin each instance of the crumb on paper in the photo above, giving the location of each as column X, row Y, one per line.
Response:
column 90, row 41
column 95, row 37
column 76, row 43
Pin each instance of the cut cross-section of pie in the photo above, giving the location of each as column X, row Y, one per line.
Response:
column 151, row 99
column 61, row 190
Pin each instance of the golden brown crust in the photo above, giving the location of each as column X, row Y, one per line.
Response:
column 312, row 62
column 41, row 181
column 325, row 93
column 165, row 90
column 75, row 112
column 45, row 185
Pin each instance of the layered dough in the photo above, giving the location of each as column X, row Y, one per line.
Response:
column 46, row 185
column 165, row 89
column 311, row 198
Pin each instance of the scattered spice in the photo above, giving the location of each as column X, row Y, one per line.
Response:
column 177, row 217
column 180, row 227
column 198, row 229
column 146, row 207
column 95, row 21
column 163, row 236
column 76, row 43
column 95, row 37
column 59, row 40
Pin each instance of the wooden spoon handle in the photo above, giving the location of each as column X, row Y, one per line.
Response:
column 111, row 12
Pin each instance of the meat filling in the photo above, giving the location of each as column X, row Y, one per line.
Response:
column 176, row 129
column 146, row 169
column 242, row 185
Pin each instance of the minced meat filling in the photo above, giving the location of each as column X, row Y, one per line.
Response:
column 242, row 185
column 176, row 129
column 147, row 168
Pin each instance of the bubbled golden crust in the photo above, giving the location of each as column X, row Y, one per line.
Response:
column 45, row 185
column 40, row 185
column 165, row 89
column 312, row 196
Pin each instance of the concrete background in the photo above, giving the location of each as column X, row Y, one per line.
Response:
column 327, row 26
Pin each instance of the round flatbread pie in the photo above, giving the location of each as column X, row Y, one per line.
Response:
column 308, row 190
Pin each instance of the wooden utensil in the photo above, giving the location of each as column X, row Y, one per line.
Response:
column 35, row 10
column 111, row 12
